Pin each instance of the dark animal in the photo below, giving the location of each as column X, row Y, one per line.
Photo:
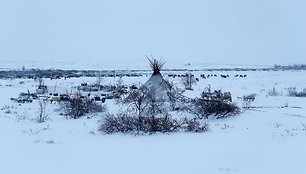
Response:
column 224, row 76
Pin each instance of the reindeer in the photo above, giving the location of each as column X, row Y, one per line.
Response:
column 203, row 76
column 224, row 76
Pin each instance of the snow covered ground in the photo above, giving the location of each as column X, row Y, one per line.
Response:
column 269, row 138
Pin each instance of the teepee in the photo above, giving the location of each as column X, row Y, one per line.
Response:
column 156, row 81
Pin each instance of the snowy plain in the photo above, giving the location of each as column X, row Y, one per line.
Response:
column 270, row 138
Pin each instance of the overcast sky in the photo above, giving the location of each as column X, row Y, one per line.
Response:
column 124, row 31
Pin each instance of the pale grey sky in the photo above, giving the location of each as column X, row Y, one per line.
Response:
column 122, row 31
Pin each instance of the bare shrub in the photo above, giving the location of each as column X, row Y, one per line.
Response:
column 216, row 109
column 161, row 124
column 124, row 123
column 274, row 92
column 120, row 90
column 117, row 123
column 79, row 105
column 154, row 103
column 194, row 125
column 137, row 100
column 292, row 92
column 173, row 94
column 8, row 109
column 144, row 101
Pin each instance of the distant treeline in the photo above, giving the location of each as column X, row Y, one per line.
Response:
column 290, row 67
column 58, row 73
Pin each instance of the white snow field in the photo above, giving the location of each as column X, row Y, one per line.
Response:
column 269, row 138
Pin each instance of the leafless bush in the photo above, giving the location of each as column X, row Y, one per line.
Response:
column 155, row 104
column 8, row 109
column 216, row 109
column 274, row 92
column 173, row 94
column 5, row 107
column 137, row 99
column 193, row 125
column 144, row 101
column 292, row 92
column 79, row 105
column 120, row 90
column 124, row 123
column 117, row 123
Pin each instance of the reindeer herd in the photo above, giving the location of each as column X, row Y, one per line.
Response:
column 206, row 76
